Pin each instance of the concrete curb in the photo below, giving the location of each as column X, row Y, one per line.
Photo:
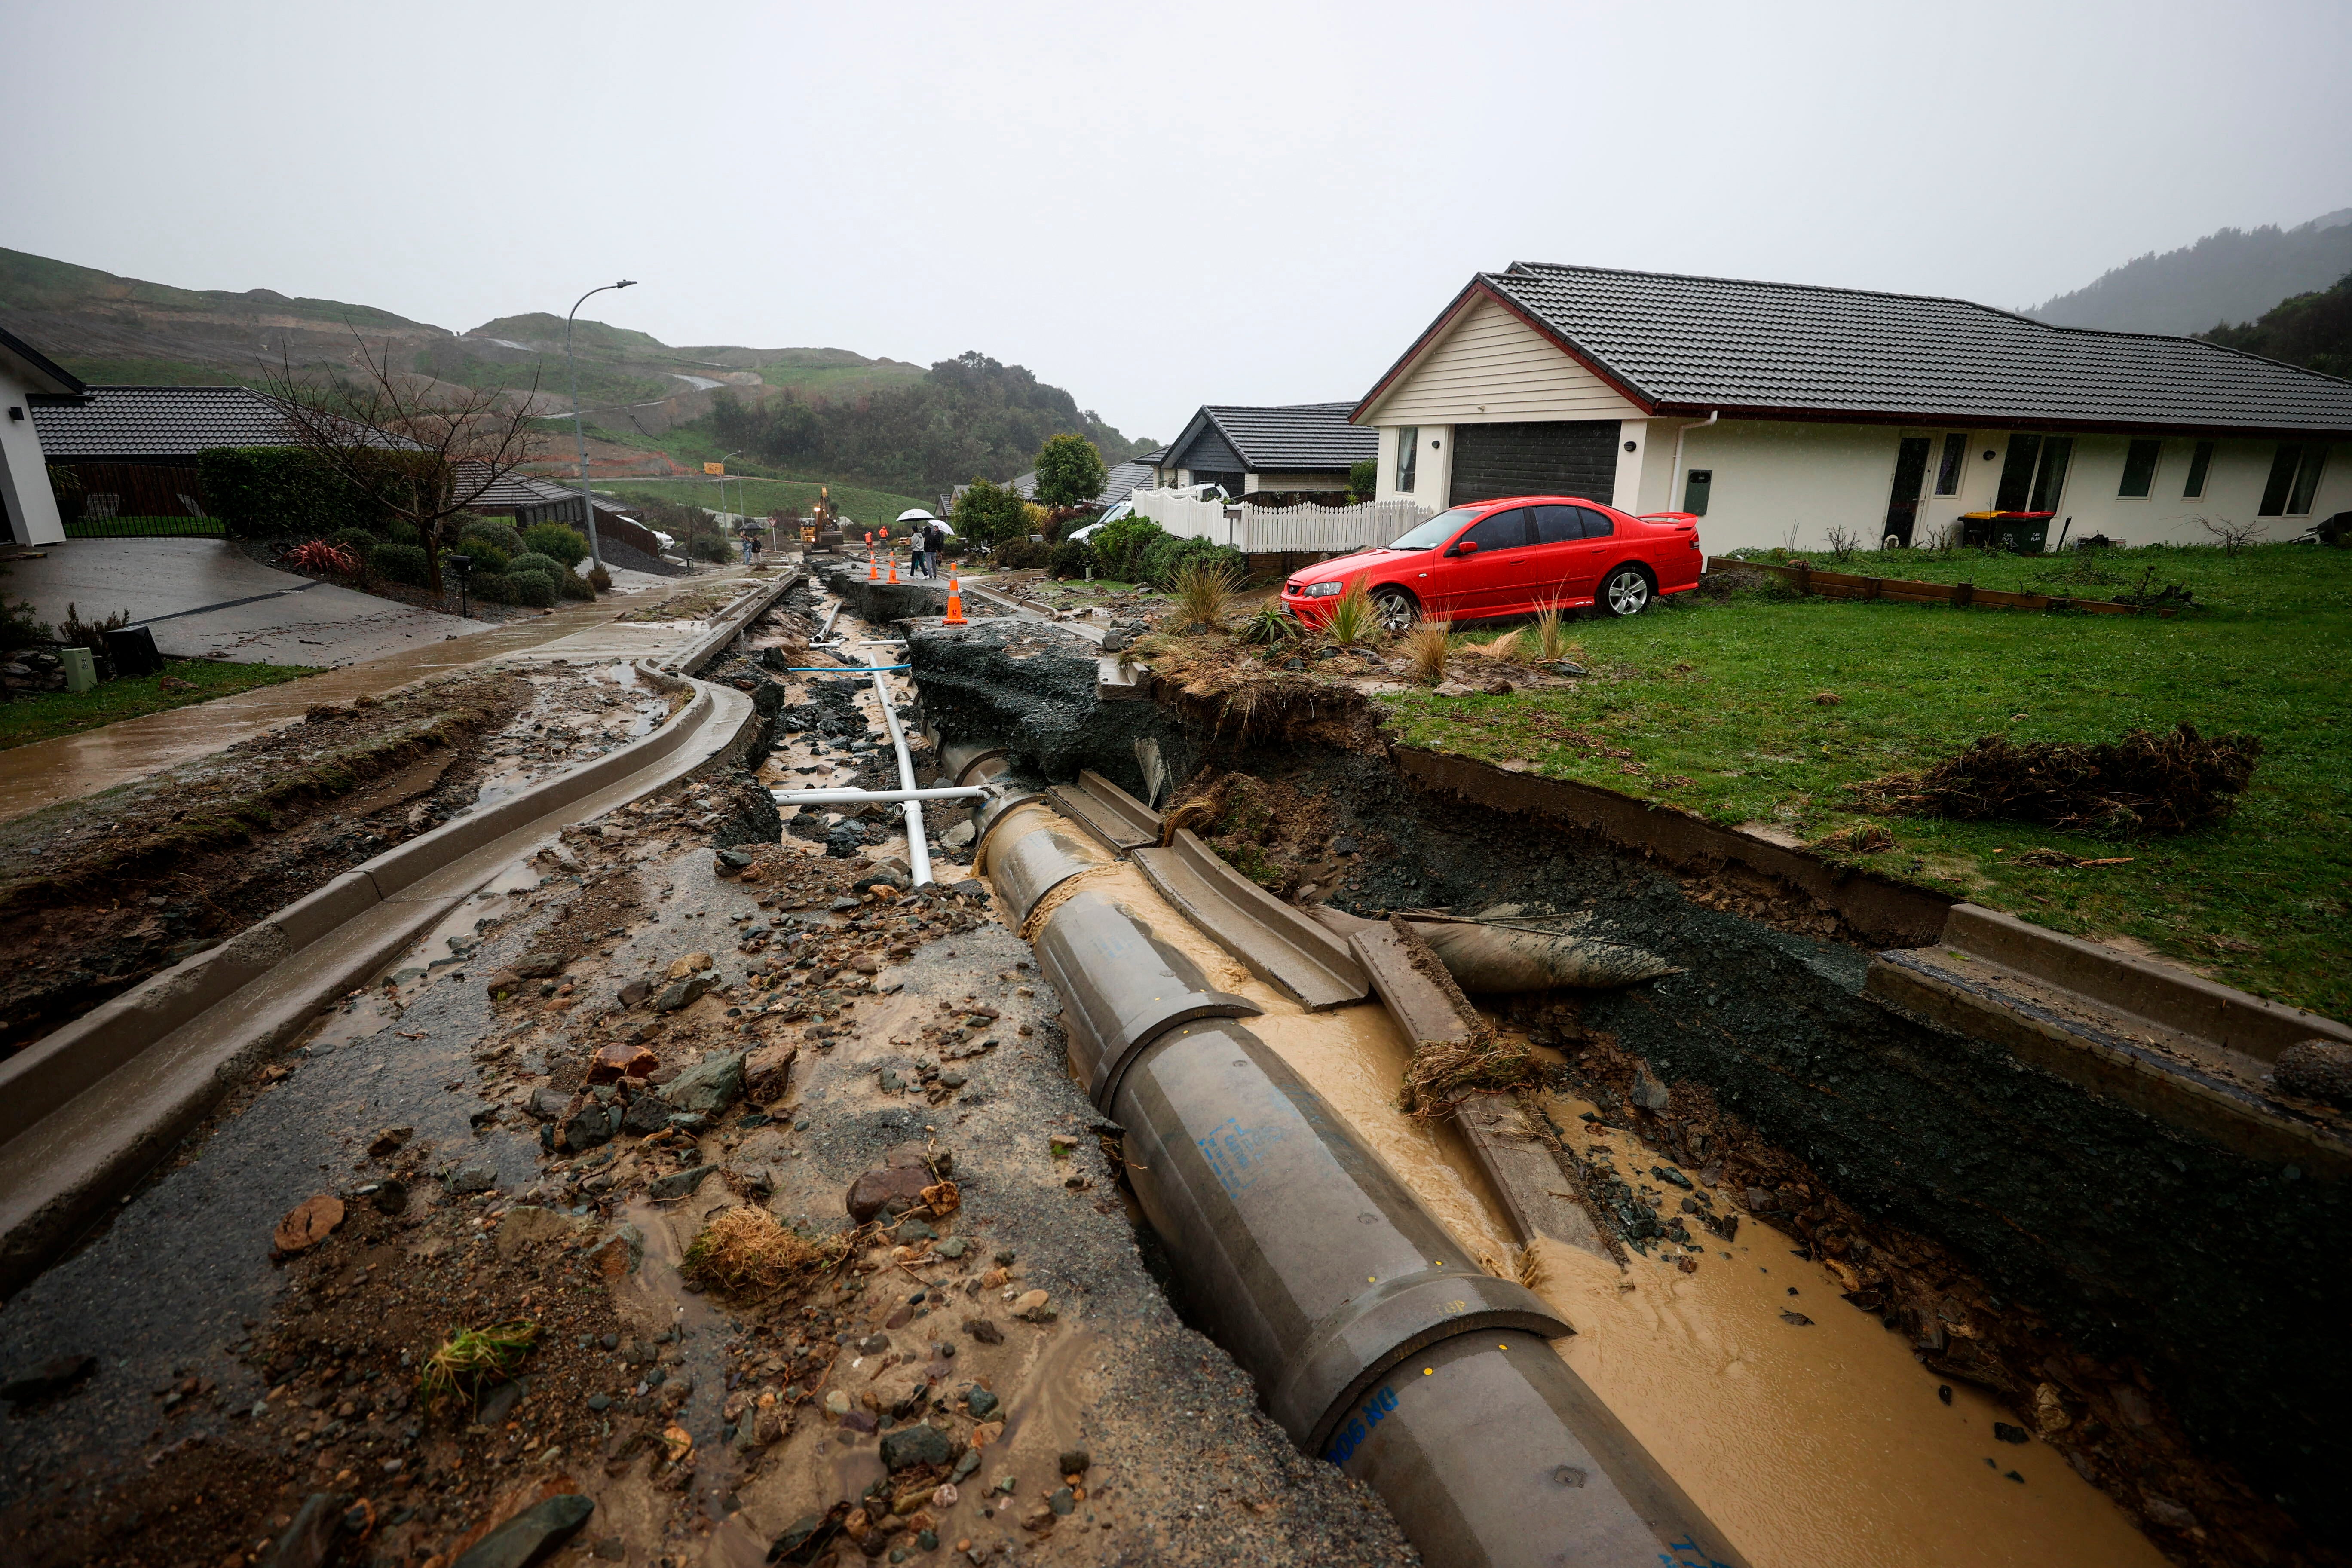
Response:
column 96, row 1104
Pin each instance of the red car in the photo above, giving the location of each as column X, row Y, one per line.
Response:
column 1511, row 557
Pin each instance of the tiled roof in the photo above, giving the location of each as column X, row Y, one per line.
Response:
column 1299, row 436
column 1682, row 343
column 510, row 489
column 159, row 422
column 1153, row 459
column 1122, row 481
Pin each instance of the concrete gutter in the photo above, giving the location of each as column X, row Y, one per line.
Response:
column 97, row 1104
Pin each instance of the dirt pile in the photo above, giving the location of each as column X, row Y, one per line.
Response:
column 2144, row 783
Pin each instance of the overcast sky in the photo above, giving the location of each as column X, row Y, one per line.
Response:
column 1152, row 207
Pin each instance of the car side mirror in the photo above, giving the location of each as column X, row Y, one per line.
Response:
column 1467, row 547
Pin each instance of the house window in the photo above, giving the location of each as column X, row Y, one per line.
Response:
column 2295, row 476
column 2034, row 475
column 2200, row 461
column 1408, row 456
column 2139, row 467
column 1952, row 465
column 1696, row 484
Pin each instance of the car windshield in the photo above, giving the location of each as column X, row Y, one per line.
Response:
column 1433, row 533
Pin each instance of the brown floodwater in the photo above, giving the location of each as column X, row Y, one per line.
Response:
column 1816, row 1445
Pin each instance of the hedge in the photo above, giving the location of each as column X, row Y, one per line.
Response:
column 401, row 563
column 271, row 492
column 559, row 542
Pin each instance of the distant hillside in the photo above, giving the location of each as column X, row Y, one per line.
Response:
column 2230, row 275
column 105, row 327
column 2313, row 329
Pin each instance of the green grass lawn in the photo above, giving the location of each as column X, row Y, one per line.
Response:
column 764, row 496
column 53, row 713
column 1715, row 703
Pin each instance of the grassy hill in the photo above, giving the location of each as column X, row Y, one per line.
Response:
column 2230, row 275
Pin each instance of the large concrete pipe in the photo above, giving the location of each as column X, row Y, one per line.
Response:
column 1376, row 1342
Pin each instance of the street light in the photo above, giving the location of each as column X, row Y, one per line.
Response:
column 722, row 478
column 579, row 424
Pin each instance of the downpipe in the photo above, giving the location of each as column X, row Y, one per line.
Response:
column 1375, row 1341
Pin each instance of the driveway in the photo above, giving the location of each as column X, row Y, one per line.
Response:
column 205, row 598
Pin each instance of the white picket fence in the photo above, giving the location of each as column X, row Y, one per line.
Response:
column 1269, row 531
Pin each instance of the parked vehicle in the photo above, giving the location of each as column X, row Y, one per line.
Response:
column 1512, row 557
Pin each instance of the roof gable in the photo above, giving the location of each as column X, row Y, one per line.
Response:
column 1223, row 437
column 1487, row 362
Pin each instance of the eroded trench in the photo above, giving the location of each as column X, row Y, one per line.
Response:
column 1868, row 1290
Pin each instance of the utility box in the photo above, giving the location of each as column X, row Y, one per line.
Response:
column 132, row 651
column 81, row 671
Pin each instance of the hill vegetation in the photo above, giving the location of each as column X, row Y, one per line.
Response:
column 2230, row 275
column 2313, row 329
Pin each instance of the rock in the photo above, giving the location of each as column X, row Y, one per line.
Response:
column 1797, row 1319
column 953, row 1247
column 389, row 1140
column 837, row 1402
column 474, row 1179
column 310, row 1223
column 2006, row 1433
column 767, row 1073
column 708, row 1087
column 2164, row 1512
column 1030, row 1307
column 684, row 992
column 494, row 1410
column 591, row 1125
column 1062, row 1501
column 956, row 837
column 2315, row 1069
column 679, row 1184
column 691, row 963
column 389, row 1196
column 1446, row 688
column 965, row 1466
column 501, row 982
column 539, row 966
column 729, row 861
column 1497, row 689
column 921, row 1444
column 634, row 992
column 547, row 1104
column 859, row 1421
column 893, row 1190
column 646, row 1114
column 622, row 1060
column 311, row 1536
column 54, row 1375
column 1647, row 1092
column 527, row 1222
column 984, row 1330
column 982, row 1404
column 2050, row 1413
column 531, row 1536
column 1072, row 1462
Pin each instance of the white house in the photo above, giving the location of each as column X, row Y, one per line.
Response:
column 1780, row 411
column 27, row 506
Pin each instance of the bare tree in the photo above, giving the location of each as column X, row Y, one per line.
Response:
column 1842, row 543
column 2229, row 534
column 422, row 449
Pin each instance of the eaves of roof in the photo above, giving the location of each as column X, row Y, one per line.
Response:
column 63, row 383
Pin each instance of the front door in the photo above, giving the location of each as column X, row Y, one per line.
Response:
column 1910, row 475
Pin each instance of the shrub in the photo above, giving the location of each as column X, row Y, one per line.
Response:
column 558, row 542
column 569, row 584
column 1205, row 589
column 1070, row 558
column 18, row 627
column 1168, row 556
column 1119, row 547
column 402, row 563
column 532, row 560
column 400, row 530
column 600, row 580
column 358, row 541
column 1017, row 554
column 268, row 493
column 717, row 551
column 318, row 555
column 1363, row 478
column 536, row 589
column 492, row 588
column 486, row 554
column 497, row 531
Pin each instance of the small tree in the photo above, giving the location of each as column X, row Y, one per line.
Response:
column 422, row 449
column 1363, row 478
column 1070, row 472
column 989, row 513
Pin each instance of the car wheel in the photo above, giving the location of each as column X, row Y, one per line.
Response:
column 1627, row 591
column 1397, row 610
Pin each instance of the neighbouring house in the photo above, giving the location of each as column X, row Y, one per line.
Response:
column 1781, row 412
column 126, row 455
column 28, row 507
column 1301, row 451
column 525, row 499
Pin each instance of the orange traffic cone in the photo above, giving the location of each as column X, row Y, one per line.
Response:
column 873, row 572
column 894, row 566
column 955, row 606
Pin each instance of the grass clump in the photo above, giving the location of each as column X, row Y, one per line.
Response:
column 1551, row 634
column 747, row 1251
column 1204, row 593
column 1426, row 645
column 1444, row 1073
column 472, row 1359
column 1353, row 617
column 2143, row 783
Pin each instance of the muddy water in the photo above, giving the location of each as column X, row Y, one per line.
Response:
column 1812, row 1447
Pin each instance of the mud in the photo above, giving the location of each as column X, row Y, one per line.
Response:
column 2141, row 1258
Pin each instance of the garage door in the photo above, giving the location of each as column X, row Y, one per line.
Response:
column 1541, row 458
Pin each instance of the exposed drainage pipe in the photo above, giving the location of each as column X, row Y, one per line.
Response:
column 1379, row 1343
column 868, row 796
column 1674, row 469
column 918, row 853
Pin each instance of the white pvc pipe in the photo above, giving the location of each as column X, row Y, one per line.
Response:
column 918, row 853
column 1674, row 469
column 870, row 796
